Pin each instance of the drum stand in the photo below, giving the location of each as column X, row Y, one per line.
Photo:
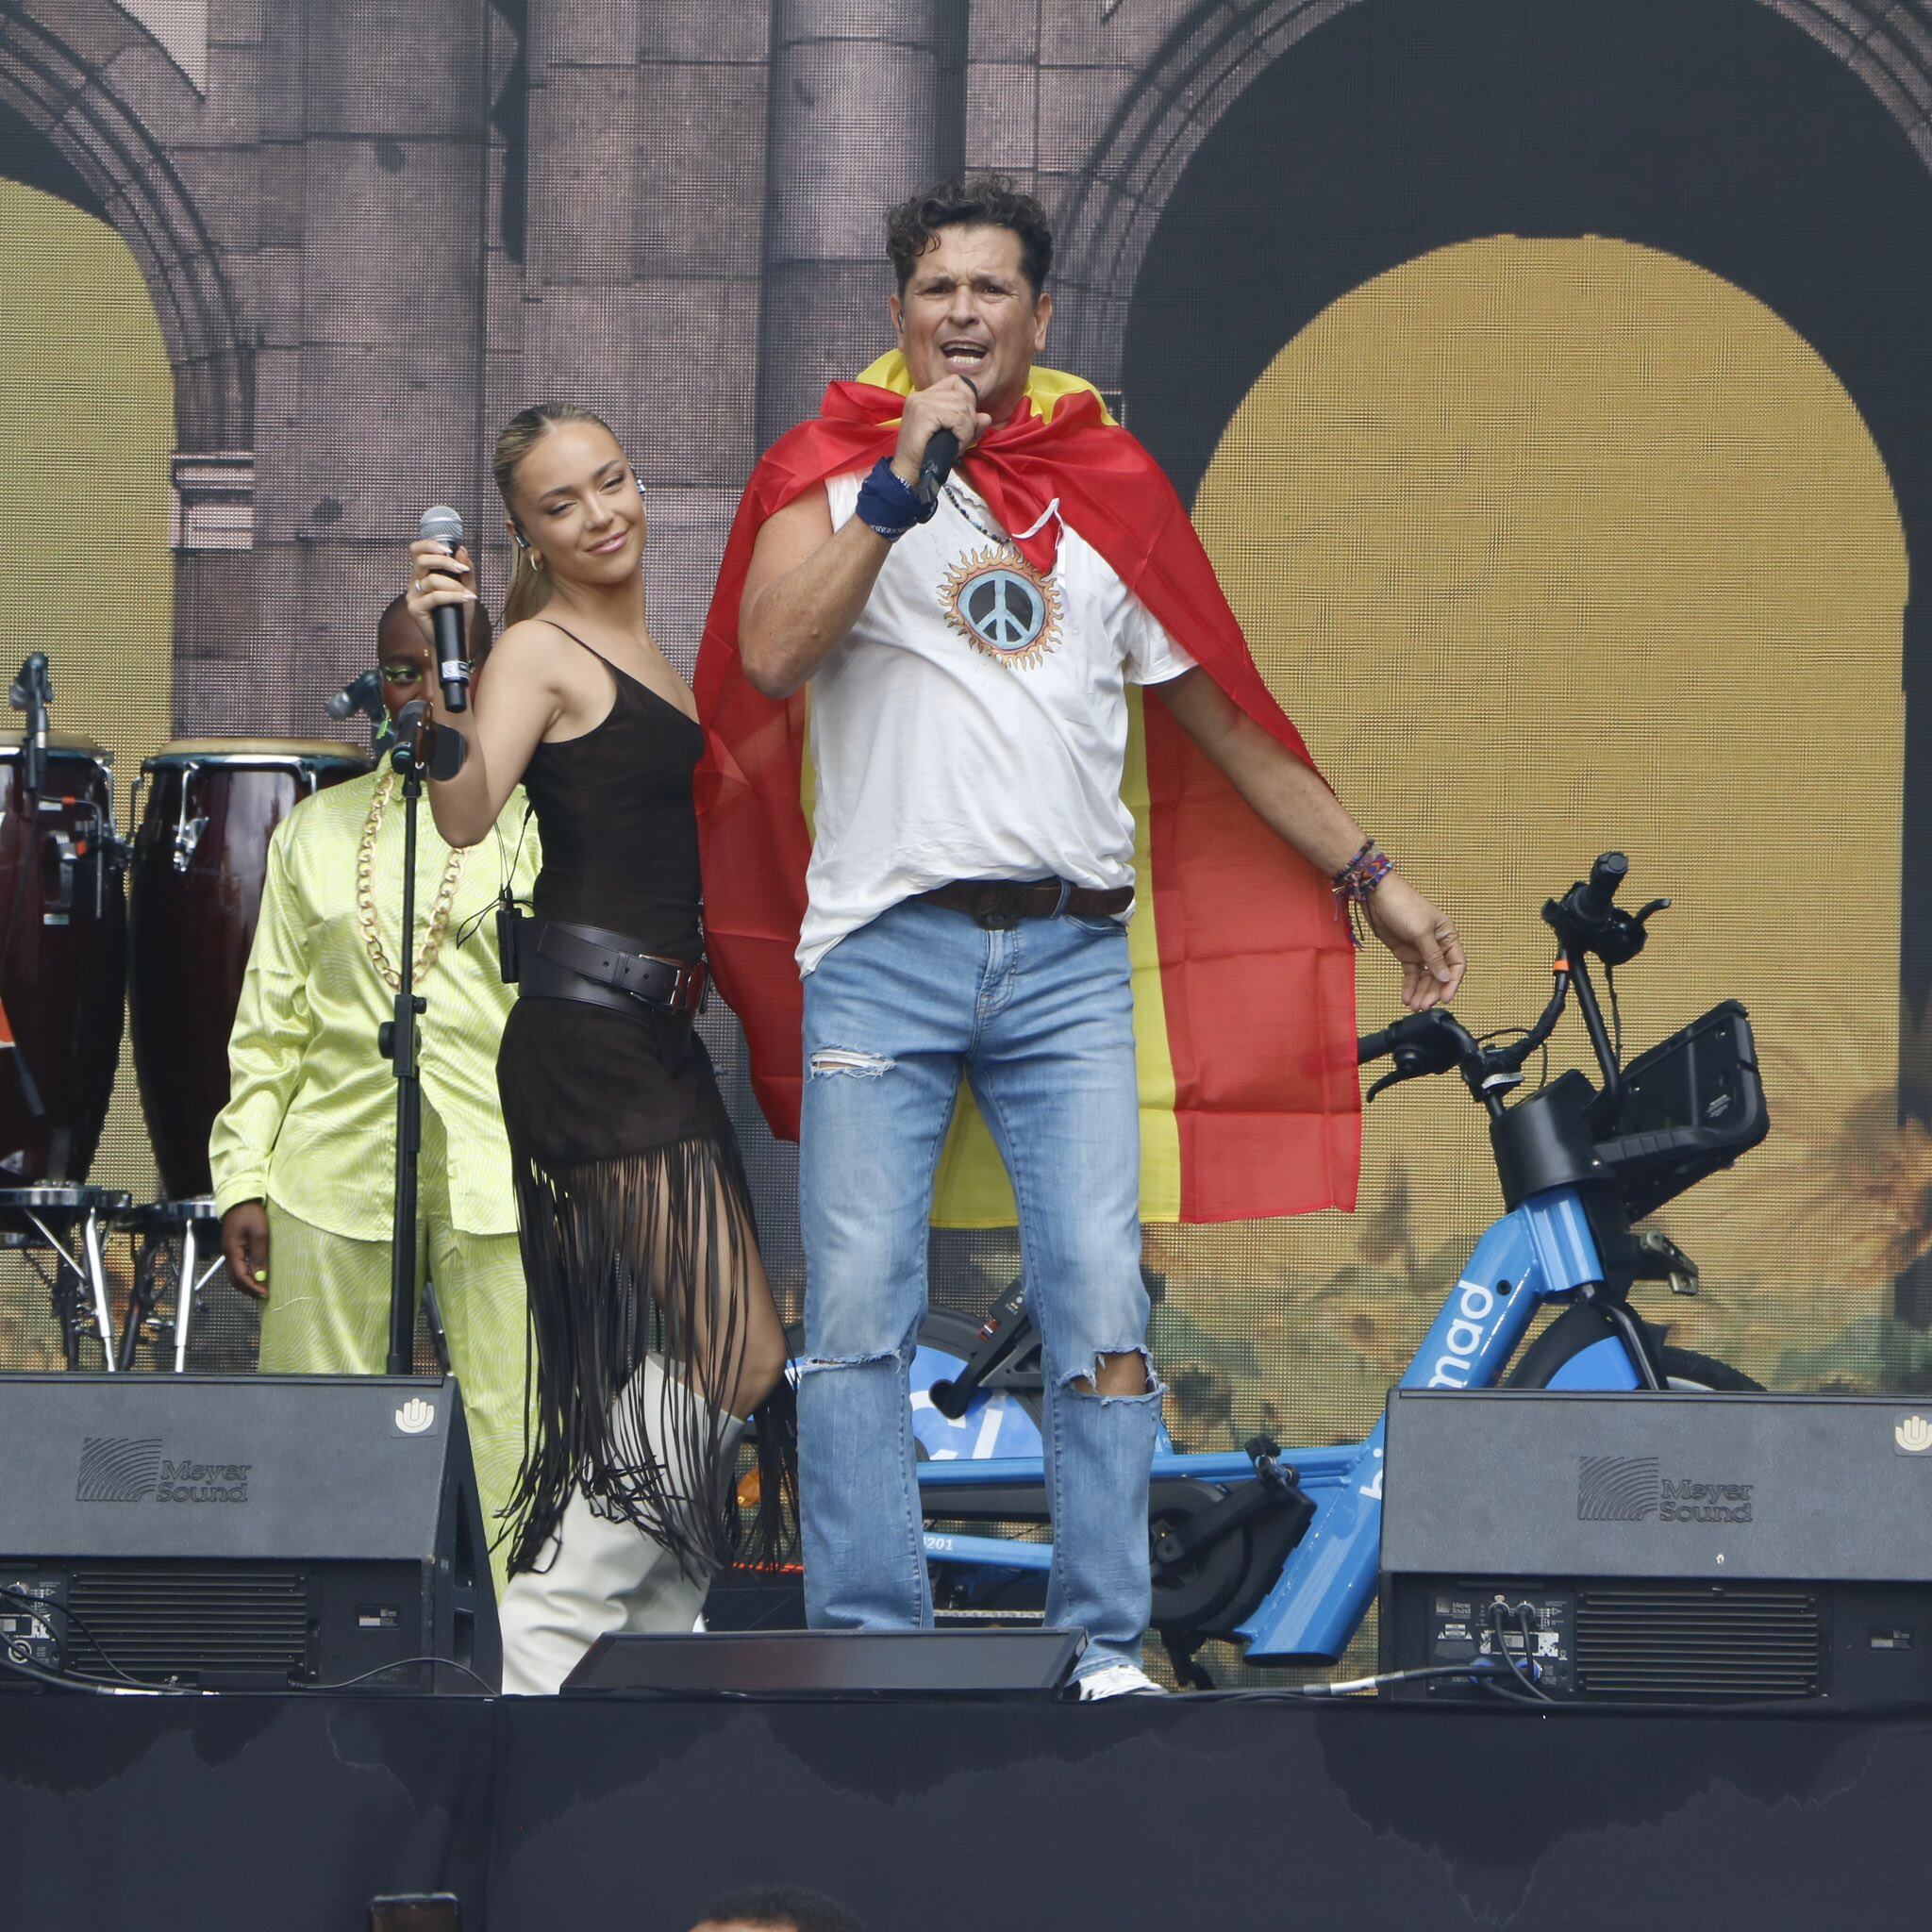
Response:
column 178, row 1232
column 65, row 1218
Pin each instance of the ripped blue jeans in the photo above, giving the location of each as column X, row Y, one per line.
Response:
column 1039, row 1019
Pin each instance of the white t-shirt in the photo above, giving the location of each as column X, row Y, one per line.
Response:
column 973, row 724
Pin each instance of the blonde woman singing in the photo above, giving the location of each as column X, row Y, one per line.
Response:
column 656, row 1336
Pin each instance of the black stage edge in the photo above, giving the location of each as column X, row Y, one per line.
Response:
column 243, row 1812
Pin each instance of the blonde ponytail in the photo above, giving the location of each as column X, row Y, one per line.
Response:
column 529, row 588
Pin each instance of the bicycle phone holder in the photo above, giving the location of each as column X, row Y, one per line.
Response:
column 1690, row 1106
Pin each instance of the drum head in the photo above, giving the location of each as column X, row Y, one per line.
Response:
column 257, row 751
column 63, row 744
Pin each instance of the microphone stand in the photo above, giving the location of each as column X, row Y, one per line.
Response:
column 32, row 692
column 401, row 1045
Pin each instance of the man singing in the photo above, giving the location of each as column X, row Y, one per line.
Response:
column 970, row 654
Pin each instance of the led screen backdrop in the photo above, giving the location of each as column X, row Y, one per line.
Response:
column 1545, row 378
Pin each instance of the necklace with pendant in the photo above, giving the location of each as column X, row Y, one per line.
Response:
column 365, row 895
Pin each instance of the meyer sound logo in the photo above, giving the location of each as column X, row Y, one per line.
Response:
column 1913, row 1435
column 1618, row 1489
column 116, row 1469
column 1634, row 1488
column 124, row 1469
column 416, row 1416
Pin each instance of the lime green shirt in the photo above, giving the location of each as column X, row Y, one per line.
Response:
column 311, row 1112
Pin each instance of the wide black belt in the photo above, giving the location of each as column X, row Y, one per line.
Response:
column 606, row 969
column 1001, row 904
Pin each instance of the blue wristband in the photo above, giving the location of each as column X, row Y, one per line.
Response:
column 888, row 505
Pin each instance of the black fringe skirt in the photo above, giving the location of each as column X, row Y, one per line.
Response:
column 635, row 1255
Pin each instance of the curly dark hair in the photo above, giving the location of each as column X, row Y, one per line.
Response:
column 988, row 201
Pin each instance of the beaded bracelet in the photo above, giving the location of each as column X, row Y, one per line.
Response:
column 888, row 505
column 1356, row 881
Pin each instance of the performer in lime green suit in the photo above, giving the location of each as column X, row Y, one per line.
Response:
column 303, row 1153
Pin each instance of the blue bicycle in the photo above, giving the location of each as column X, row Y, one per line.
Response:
column 1277, row 1550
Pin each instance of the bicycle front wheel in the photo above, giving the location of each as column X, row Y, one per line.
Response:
column 1704, row 1375
column 1562, row 1356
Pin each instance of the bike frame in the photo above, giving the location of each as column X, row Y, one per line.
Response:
column 1542, row 1252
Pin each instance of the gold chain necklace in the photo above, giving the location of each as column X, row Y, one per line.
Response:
column 365, row 895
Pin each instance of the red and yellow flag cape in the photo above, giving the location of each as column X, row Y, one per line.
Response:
column 1243, row 973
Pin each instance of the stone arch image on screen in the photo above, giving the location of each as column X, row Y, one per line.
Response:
column 1555, row 545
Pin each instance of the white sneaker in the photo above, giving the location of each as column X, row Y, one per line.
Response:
column 1117, row 1680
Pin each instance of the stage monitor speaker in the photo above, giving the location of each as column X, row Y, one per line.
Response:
column 834, row 1663
column 1660, row 1548
column 243, row 1531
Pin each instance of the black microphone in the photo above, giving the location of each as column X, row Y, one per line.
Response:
column 440, row 752
column 941, row 453
column 444, row 526
column 363, row 694
column 936, row 465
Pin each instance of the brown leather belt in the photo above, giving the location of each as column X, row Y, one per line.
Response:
column 999, row 905
column 604, row 969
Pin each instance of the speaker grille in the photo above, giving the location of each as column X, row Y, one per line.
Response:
column 1694, row 1641
column 160, row 1621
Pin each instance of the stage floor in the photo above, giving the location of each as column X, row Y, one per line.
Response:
column 240, row 1813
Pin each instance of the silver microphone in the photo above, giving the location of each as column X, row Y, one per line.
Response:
column 443, row 525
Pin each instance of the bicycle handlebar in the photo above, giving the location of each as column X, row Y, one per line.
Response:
column 1586, row 920
column 1419, row 1044
column 1596, row 898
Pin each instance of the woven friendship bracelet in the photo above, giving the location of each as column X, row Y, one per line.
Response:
column 888, row 505
column 1356, row 882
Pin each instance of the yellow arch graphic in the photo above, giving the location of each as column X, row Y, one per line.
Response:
column 86, row 433
column 1551, row 546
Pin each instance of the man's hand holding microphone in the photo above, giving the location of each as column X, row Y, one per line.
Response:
column 939, row 423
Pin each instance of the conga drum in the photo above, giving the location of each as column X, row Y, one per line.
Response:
column 64, row 962
column 195, row 892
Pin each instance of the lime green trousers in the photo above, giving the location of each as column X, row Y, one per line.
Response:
column 327, row 1313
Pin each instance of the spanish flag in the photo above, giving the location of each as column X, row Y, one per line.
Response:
column 1243, row 971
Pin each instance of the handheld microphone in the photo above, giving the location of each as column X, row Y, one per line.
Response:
column 363, row 694
column 936, row 465
column 443, row 525
column 941, row 453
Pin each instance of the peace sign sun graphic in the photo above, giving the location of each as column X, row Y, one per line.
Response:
column 1003, row 607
